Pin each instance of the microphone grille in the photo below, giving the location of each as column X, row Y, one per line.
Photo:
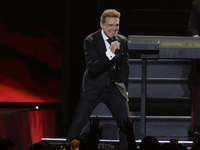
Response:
column 113, row 38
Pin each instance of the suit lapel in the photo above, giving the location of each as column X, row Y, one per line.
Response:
column 101, row 43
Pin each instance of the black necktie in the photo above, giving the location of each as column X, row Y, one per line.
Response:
column 109, row 41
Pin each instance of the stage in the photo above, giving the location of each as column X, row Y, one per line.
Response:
column 112, row 144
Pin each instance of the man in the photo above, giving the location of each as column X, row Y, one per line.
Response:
column 194, row 30
column 194, row 21
column 106, row 75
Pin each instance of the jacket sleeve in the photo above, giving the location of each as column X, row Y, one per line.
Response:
column 95, row 60
column 193, row 25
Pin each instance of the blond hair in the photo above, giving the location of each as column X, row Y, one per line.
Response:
column 74, row 144
column 109, row 13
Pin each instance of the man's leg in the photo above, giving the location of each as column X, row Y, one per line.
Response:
column 81, row 117
column 119, row 108
column 197, row 109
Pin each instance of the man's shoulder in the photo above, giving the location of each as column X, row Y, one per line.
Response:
column 93, row 35
column 121, row 37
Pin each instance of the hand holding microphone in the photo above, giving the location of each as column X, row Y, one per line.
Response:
column 115, row 46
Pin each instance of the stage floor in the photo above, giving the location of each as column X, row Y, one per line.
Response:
column 112, row 143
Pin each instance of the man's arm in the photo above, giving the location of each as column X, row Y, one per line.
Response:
column 194, row 23
column 128, row 130
column 95, row 61
column 93, row 140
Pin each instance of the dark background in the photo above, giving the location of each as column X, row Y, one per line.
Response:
column 65, row 24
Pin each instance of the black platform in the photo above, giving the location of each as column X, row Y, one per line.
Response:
column 113, row 144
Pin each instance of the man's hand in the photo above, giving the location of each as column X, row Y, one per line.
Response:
column 114, row 46
column 128, row 126
column 94, row 125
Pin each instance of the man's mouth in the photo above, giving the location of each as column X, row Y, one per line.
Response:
column 112, row 32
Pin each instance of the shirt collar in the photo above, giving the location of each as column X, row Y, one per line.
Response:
column 104, row 36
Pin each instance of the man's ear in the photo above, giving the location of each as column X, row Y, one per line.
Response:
column 101, row 24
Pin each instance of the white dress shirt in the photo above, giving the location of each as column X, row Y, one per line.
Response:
column 109, row 53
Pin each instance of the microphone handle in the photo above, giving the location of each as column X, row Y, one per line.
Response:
column 116, row 51
column 116, row 55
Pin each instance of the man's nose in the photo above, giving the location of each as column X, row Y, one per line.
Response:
column 114, row 27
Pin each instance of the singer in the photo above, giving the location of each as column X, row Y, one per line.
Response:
column 106, row 75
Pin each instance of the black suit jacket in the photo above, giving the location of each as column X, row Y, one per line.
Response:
column 194, row 21
column 97, row 73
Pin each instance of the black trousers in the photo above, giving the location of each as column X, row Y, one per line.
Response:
column 197, row 106
column 196, row 79
column 115, row 102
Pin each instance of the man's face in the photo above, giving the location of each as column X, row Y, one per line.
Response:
column 111, row 26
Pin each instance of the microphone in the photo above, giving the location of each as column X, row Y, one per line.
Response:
column 117, row 50
column 114, row 38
